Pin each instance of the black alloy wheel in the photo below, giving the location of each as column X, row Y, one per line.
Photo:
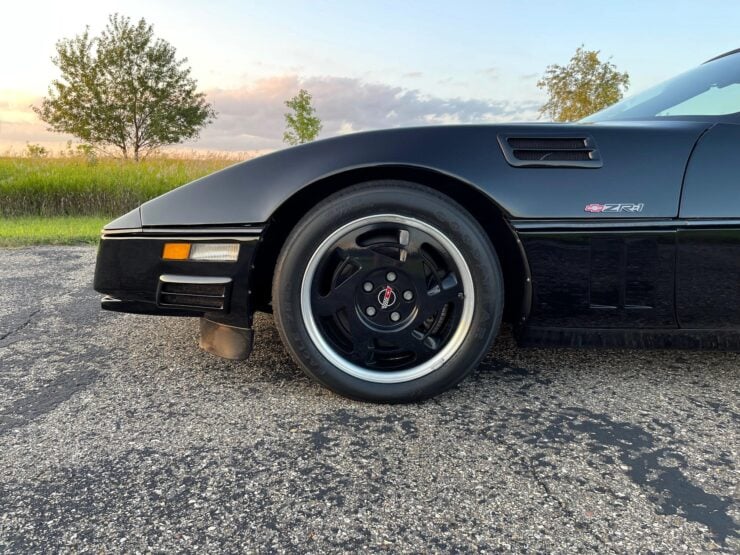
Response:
column 393, row 293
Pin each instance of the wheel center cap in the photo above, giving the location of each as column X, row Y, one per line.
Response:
column 386, row 297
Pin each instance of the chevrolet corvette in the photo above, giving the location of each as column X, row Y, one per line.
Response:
column 390, row 258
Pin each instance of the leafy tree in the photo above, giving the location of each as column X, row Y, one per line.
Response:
column 301, row 124
column 584, row 86
column 124, row 90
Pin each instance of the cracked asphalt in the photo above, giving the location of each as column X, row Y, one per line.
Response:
column 118, row 434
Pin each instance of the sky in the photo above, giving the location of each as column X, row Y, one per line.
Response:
column 368, row 64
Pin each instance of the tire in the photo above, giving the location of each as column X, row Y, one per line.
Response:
column 388, row 291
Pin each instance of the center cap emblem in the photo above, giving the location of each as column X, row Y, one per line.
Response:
column 386, row 297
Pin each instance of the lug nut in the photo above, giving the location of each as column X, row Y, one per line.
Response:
column 408, row 295
column 367, row 286
column 370, row 311
column 391, row 276
column 395, row 316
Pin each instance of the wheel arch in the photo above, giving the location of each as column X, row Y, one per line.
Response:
column 489, row 215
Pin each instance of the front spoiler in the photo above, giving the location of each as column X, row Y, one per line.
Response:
column 142, row 307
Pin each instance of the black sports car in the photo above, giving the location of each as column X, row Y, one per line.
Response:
column 389, row 258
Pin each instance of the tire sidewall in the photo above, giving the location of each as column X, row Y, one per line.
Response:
column 404, row 199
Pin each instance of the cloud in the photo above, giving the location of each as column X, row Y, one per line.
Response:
column 251, row 118
column 20, row 125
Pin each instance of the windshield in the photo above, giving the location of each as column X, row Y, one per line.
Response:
column 712, row 89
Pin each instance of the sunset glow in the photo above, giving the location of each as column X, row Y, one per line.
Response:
column 367, row 66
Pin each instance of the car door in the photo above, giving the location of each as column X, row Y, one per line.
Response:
column 708, row 261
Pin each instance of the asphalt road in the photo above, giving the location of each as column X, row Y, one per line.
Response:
column 118, row 434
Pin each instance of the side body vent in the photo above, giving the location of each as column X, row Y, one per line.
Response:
column 554, row 151
column 194, row 292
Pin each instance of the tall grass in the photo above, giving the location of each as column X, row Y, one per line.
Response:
column 76, row 186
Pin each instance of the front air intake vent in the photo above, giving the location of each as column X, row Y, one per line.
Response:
column 193, row 292
column 535, row 152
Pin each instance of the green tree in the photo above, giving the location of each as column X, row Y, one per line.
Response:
column 584, row 86
column 124, row 90
column 301, row 123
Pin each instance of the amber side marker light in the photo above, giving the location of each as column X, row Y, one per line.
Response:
column 176, row 251
column 204, row 252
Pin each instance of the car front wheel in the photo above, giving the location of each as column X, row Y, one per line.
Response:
column 388, row 292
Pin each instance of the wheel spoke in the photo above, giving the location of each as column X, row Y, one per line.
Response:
column 339, row 297
column 371, row 258
column 447, row 290
column 431, row 303
column 416, row 269
column 413, row 341
column 349, row 241
column 365, row 257
column 363, row 342
column 329, row 305
column 440, row 290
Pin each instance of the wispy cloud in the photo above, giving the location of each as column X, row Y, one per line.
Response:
column 251, row 118
column 529, row 76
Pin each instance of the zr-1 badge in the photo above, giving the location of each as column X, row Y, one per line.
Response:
column 622, row 207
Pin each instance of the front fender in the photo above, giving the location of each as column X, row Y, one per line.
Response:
column 642, row 164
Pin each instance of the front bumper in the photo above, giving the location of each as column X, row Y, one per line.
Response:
column 133, row 276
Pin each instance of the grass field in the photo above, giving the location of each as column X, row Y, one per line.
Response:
column 54, row 201
column 74, row 186
column 60, row 230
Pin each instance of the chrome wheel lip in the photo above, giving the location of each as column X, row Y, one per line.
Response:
column 398, row 376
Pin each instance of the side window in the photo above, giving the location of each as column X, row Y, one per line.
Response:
column 716, row 101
